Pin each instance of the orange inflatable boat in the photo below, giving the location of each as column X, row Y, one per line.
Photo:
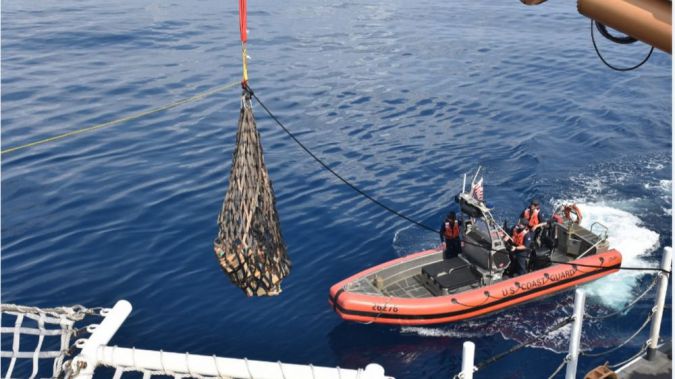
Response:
column 424, row 288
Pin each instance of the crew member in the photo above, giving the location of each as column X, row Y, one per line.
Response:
column 549, row 233
column 522, row 240
column 450, row 235
column 533, row 214
column 569, row 210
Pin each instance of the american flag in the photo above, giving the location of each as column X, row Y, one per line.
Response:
column 477, row 190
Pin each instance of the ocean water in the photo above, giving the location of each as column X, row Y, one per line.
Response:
column 400, row 97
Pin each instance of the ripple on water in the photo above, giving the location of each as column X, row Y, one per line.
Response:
column 402, row 111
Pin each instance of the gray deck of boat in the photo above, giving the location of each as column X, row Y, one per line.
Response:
column 401, row 280
column 661, row 367
column 404, row 278
column 408, row 287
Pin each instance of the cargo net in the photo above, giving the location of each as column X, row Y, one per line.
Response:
column 249, row 246
column 36, row 340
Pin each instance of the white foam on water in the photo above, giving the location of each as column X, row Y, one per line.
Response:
column 440, row 332
column 628, row 235
column 666, row 185
column 655, row 166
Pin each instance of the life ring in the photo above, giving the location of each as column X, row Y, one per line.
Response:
column 567, row 210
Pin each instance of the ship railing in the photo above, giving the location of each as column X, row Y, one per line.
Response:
column 94, row 352
column 570, row 361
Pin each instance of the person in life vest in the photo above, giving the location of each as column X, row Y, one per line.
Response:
column 533, row 215
column 522, row 238
column 571, row 213
column 535, row 218
column 450, row 235
column 567, row 213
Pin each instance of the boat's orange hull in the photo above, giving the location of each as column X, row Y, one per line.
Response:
column 443, row 309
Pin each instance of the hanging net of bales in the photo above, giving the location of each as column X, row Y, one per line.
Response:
column 249, row 246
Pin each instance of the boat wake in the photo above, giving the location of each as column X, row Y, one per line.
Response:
column 635, row 242
column 510, row 324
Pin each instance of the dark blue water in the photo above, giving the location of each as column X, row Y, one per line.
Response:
column 400, row 97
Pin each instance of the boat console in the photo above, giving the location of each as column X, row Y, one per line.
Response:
column 483, row 259
column 442, row 278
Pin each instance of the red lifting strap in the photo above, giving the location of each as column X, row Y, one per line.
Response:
column 242, row 20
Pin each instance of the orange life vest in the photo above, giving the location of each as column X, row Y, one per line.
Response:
column 518, row 237
column 533, row 217
column 451, row 232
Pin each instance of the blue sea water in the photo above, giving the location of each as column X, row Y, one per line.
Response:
column 400, row 97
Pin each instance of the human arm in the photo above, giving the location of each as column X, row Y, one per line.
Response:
column 538, row 226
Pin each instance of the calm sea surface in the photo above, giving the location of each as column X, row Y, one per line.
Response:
column 400, row 97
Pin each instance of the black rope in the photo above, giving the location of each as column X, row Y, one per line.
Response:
column 521, row 345
column 487, row 297
column 622, row 40
column 622, row 69
column 345, row 181
column 387, row 208
column 655, row 269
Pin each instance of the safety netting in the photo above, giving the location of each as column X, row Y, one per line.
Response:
column 249, row 246
column 33, row 339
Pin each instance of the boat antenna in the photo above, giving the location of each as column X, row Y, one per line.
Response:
column 464, row 184
column 475, row 176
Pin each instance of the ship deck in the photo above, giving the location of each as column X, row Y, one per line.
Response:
column 661, row 367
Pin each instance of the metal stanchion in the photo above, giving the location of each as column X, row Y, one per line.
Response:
column 660, row 302
column 575, row 338
column 467, row 360
column 85, row 363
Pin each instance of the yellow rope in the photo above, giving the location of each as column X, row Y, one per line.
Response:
column 175, row 104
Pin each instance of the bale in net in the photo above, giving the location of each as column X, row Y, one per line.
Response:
column 249, row 246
